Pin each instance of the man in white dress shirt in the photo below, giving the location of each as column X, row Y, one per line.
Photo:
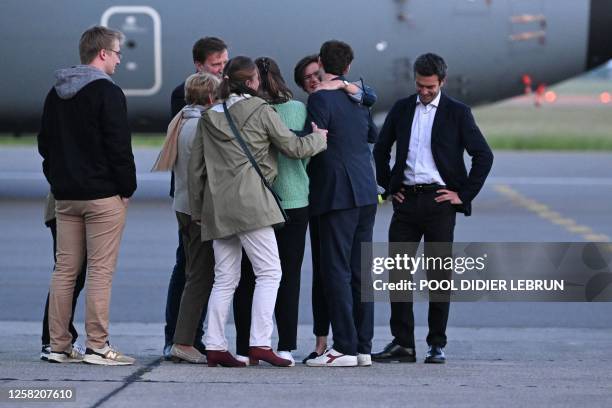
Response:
column 429, row 185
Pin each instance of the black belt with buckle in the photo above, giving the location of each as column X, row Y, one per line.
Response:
column 422, row 188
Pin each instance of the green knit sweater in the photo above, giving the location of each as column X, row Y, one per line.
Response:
column 291, row 184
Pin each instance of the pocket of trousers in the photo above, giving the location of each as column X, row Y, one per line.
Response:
column 121, row 201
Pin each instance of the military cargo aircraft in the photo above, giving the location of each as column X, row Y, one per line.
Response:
column 493, row 47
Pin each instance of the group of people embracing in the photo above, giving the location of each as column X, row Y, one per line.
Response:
column 252, row 171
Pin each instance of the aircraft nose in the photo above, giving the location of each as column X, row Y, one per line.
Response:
column 600, row 33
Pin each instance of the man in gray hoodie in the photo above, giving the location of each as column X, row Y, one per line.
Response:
column 87, row 155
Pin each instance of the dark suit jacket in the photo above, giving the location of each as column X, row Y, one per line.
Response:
column 341, row 177
column 177, row 100
column 454, row 131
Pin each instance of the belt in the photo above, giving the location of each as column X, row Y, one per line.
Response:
column 422, row 188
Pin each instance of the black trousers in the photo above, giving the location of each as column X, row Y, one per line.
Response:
column 320, row 315
column 78, row 287
column 342, row 232
column 291, row 240
column 420, row 216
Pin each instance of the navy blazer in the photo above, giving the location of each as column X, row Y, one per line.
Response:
column 341, row 177
column 177, row 100
column 454, row 131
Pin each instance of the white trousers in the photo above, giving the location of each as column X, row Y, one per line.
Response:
column 262, row 250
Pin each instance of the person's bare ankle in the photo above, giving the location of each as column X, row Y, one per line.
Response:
column 321, row 346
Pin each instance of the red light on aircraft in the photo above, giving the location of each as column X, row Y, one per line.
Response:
column 526, row 79
column 605, row 97
column 550, row 96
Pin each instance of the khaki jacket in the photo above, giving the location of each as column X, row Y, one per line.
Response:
column 225, row 191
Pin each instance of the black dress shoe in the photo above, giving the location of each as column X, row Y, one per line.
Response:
column 395, row 353
column 435, row 355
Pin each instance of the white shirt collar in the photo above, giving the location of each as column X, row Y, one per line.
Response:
column 433, row 103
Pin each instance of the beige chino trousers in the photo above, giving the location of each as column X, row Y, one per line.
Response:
column 93, row 227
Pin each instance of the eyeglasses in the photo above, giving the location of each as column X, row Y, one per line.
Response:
column 314, row 75
column 116, row 52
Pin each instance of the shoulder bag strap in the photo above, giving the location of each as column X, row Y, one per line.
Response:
column 246, row 150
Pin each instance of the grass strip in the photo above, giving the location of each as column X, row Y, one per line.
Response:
column 497, row 142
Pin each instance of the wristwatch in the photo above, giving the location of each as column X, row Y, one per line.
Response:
column 346, row 84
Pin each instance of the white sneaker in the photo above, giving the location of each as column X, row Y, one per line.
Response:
column 107, row 356
column 364, row 360
column 287, row 356
column 243, row 359
column 333, row 358
column 69, row 356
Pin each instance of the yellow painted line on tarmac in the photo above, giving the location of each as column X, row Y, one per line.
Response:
column 566, row 222
column 545, row 212
column 598, row 238
column 580, row 229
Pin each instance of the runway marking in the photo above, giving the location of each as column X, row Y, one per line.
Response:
column 553, row 181
column 545, row 212
column 132, row 378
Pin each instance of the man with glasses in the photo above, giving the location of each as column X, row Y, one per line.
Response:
column 85, row 143
column 51, row 223
column 117, row 52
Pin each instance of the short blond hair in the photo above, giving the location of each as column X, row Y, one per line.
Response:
column 95, row 39
column 199, row 87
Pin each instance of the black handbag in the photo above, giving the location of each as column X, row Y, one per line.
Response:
column 246, row 150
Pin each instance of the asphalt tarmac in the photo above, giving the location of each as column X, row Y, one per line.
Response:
column 505, row 354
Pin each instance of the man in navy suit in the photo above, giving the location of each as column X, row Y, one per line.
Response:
column 343, row 195
column 429, row 184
